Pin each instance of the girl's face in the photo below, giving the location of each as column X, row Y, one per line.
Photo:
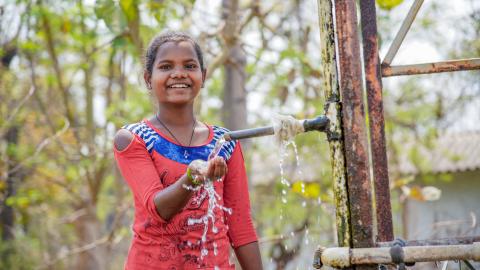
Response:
column 176, row 74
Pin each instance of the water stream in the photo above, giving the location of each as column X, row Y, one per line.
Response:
column 213, row 199
column 286, row 128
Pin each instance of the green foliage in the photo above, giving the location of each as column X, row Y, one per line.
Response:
column 69, row 51
column 110, row 13
column 388, row 4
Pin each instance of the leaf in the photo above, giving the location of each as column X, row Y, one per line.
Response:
column 416, row 193
column 129, row 8
column 312, row 190
column 306, row 190
column 111, row 14
column 398, row 183
column 388, row 4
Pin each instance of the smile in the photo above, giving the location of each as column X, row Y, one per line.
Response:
column 179, row 85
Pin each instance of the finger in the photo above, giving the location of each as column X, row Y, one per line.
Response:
column 225, row 167
column 222, row 168
column 211, row 169
column 218, row 169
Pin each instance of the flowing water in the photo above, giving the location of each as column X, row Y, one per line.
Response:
column 213, row 200
column 286, row 128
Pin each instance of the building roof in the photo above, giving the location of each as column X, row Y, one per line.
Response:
column 457, row 152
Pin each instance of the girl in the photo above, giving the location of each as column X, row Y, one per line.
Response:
column 155, row 157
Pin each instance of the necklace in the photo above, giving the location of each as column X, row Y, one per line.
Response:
column 185, row 154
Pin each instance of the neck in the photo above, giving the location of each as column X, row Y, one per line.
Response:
column 176, row 116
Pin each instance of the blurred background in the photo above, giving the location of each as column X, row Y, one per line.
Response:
column 71, row 74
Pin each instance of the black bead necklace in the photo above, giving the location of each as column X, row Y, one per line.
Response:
column 185, row 154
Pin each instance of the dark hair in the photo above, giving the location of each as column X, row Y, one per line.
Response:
column 171, row 36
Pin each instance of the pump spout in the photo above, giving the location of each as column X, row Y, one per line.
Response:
column 319, row 123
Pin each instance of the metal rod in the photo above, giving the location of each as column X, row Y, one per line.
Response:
column 333, row 112
column 354, row 124
column 320, row 124
column 435, row 242
column 341, row 257
column 397, row 41
column 469, row 265
column 437, row 67
column 373, row 79
column 249, row 133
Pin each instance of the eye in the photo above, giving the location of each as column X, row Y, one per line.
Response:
column 191, row 66
column 164, row 66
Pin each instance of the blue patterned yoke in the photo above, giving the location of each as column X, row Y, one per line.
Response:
column 182, row 154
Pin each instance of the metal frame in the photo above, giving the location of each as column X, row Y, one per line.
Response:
column 343, row 257
column 424, row 68
column 350, row 150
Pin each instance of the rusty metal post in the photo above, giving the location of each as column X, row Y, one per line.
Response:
column 333, row 113
column 354, row 125
column 436, row 67
column 373, row 79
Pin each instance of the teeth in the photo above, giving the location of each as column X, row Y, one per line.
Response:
column 179, row 85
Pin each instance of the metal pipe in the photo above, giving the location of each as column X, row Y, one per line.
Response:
column 333, row 111
column 320, row 124
column 397, row 41
column 437, row 67
column 378, row 148
column 249, row 133
column 341, row 257
column 354, row 124
column 435, row 242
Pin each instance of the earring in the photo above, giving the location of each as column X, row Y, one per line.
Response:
column 149, row 86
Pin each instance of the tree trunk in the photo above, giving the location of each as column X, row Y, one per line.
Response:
column 89, row 230
column 234, row 111
column 6, row 212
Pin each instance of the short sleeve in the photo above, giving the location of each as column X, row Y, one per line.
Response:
column 240, row 226
column 138, row 170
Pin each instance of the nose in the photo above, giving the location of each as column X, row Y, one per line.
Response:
column 178, row 73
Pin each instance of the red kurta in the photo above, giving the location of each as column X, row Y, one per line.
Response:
column 152, row 162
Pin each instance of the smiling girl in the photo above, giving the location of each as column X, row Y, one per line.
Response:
column 155, row 157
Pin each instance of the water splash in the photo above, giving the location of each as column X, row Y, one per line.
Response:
column 217, row 148
column 213, row 199
column 285, row 130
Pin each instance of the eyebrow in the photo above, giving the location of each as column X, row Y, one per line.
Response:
column 185, row 61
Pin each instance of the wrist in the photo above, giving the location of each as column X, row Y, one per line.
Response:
column 192, row 179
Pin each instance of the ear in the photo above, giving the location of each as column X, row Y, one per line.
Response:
column 147, row 78
column 204, row 76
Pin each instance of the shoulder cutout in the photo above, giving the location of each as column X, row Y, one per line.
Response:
column 123, row 138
